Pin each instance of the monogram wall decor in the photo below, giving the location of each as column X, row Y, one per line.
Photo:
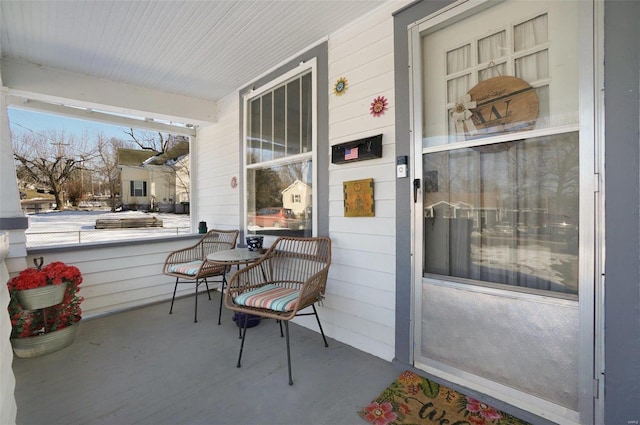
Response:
column 498, row 105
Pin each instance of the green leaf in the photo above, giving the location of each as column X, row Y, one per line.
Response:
column 430, row 389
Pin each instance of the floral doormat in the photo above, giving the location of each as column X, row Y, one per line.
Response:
column 412, row 399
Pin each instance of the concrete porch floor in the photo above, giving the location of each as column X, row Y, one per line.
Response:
column 145, row 366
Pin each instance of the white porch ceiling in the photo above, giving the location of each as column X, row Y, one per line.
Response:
column 201, row 50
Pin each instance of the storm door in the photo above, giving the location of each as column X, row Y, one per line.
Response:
column 504, row 261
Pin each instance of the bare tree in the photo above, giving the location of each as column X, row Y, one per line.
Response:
column 48, row 160
column 106, row 165
column 183, row 177
column 154, row 141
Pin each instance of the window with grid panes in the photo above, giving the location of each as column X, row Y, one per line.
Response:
column 279, row 128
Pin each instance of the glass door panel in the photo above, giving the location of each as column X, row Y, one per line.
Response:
column 507, row 213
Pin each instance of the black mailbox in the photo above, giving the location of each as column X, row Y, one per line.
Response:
column 357, row 150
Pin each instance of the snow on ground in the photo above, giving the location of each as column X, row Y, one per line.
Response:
column 71, row 227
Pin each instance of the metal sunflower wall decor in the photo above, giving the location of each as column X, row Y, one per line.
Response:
column 378, row 106
column 340, row 87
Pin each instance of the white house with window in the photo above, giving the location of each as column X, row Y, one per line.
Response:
column 298, row 197
column 153, row 181
column 485, row 263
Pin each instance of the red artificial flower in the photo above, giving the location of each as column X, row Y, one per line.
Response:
column 58, row 272
column 26, row 323
column 28, row 279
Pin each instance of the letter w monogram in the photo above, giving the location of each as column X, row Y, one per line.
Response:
column 493, row 112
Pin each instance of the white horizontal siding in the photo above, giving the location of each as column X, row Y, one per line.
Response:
column 218, row 162
column 360, row 304
column 122, row 276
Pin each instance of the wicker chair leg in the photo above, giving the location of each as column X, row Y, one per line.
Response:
column 286, row 329
column 224, row 284
column 244, row 334
column 207, row 285
column 195, row 318
column 281, row 334
column 174, row 296
column 319, row 325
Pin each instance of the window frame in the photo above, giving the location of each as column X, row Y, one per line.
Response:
column 307, row 67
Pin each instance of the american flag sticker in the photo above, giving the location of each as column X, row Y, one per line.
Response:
column 350, row 154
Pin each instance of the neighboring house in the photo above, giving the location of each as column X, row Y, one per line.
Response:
column 485, row 213
column 149, row 179
column 34, row 200
column 297, row 197
column 37, row 205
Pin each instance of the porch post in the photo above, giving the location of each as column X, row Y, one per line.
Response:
column 12, row 219
column 8, row 408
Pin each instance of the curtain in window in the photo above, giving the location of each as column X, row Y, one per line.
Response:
column 492, row 54
column 458, row 60
column 530, row 33
column 505, row 213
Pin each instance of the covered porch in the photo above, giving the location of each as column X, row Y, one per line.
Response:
column 205, row 70
column 144, row 366
column 134, row 363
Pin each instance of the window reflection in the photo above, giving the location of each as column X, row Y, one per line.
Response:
column 505, row 213
column 280, row 199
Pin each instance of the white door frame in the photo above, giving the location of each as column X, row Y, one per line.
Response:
column 591, row 252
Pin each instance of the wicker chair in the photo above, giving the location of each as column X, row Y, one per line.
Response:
column 291, row 276
column 190, row 265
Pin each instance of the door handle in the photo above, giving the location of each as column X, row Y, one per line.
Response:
column 416, row 186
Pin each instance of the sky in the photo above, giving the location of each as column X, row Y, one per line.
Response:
column 21, row 120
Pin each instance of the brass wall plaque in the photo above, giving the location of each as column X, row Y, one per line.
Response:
column 358, row 198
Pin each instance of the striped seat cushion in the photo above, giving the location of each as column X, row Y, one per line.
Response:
column 190, row 268
column 272, row 297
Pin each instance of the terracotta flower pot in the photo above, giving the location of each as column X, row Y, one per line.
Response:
column 42, row 297
column 35, row 346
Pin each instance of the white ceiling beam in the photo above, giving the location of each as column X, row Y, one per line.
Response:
column 19, row 102
column 60, row 87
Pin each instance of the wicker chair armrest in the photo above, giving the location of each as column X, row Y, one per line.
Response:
column 184, row 255
column 208, row 268
column 316, row 284
column 313, row 289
